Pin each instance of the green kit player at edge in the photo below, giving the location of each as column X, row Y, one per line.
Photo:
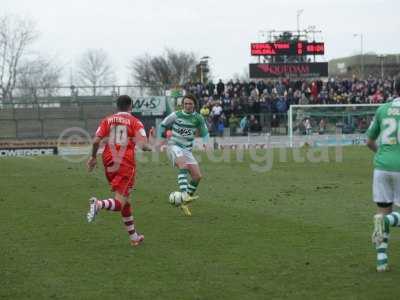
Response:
column 386, row 177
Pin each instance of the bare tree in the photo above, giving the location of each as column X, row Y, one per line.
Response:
column 95, row 70
column 16, row 34
column 38, row 77
column 170, row 69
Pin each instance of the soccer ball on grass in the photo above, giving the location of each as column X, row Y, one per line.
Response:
column 175, row 198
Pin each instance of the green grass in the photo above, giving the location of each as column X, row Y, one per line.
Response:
column 299, row 231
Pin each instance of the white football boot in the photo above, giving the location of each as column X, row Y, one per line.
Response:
column 91, row 215
column 377, row 234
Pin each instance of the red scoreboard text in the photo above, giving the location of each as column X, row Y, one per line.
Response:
column 287, row 48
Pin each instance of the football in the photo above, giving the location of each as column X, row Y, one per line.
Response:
column 175, row 198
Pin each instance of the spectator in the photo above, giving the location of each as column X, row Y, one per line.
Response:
column 210, row 88
column 322, row 126
column 261, row 86
column 205, row 111
column 226, row 102
column 254, row 125
column 215, row 114
column 233, row 122
column 244, row 125
column 281, row 105
column 220, row 88
column 220, row 127
column 307, row 126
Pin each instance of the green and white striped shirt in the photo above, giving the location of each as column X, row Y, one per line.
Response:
column 184, row 127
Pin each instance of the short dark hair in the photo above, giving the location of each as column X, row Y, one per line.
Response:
column 191, row 97
column 123, row 102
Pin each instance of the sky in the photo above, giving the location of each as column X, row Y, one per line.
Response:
column 220, row 29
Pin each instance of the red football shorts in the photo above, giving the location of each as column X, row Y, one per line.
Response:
column 121, row 180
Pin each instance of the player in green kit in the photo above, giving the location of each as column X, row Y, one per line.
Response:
column 185, row 125
column 386, row 178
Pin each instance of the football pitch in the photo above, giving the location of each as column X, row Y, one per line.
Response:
column 299, row 231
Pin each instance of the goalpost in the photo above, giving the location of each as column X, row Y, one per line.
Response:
column 329, row 119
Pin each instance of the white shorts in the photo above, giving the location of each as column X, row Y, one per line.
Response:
column 174, row 152
column 386, row 187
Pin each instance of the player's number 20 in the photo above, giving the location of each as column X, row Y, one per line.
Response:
column 392, row 126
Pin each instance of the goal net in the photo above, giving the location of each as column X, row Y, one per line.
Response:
column 329, row 119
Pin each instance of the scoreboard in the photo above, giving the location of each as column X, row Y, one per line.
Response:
column 287, row 48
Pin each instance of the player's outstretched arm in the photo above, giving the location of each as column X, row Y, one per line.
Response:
column 152, row 138
column 145, row 146
column 371, row 144
column 374, row 130
column 92, row 161
column 141, row 140
column 203, row 133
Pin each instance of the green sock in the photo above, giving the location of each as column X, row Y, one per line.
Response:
column 390, row 220
column 182, row 180
column 192, row 187
column 381, row 250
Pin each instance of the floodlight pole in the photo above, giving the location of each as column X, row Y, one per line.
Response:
column 203, row 61
column 361, row 53
column 381, row 58
column 299, row 12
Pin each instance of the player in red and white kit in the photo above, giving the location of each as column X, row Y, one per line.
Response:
column 121, row 132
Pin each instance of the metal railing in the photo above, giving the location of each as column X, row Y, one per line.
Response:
column 50, row 119
column 29, row 94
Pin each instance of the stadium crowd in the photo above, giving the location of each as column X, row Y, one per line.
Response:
column 253, row 106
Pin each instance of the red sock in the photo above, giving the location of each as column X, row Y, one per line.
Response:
column 109, row 204
column 127, row 217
